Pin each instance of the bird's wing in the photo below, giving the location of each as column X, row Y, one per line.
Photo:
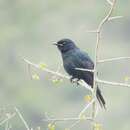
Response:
column 82, row 60
column 79, row 59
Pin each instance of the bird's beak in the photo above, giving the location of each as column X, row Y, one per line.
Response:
column 55, row 44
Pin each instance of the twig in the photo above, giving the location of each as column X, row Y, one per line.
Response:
column 67, row 119
column 7, row 119
column 109, row 2
column 114, row 17
column 97, row 51
column 74, row 124
column 114, row 59
column 86, row 107
column 22, row 119
column 113, row 83
column 96, row 112
column 46, row 70
column 99, row 31
column 91, row 31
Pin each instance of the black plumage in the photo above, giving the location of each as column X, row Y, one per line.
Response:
column 73, row 58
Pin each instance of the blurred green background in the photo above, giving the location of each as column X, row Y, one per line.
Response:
column 28, row 28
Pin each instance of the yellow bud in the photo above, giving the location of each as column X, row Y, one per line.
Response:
column 67, row 129
column 127, row 78
column 82, row 117
column 35, row 76
column 57, row 81
column 42, row 66
column 97, row 126
column 88, row 98
column 51, row 126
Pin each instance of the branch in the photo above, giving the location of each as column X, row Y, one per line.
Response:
column 100, row 27
column 109, row 2
column 114, row 17
column 81, row 82
column 67, row 119
column 74, row 124
column 106, row 18
column 86, row 107
column 113, row 83
column 91, row 31
column 8, row 118
column 46, row 70
column 114, row 59
column 22, row 119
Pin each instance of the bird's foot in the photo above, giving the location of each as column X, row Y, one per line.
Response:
column 75, row 80
column 72, row 79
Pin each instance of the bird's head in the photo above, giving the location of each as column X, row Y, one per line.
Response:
column 65, row 45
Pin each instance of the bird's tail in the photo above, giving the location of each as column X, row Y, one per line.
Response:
column 100, row 98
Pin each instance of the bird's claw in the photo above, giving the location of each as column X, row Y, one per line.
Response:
column 74, row 80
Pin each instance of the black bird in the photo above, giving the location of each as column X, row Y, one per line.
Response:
column 73, row 58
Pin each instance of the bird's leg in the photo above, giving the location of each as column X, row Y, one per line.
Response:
column 74, row 80
column 77, row 82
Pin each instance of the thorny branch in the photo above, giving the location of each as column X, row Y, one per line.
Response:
column 99, row 29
